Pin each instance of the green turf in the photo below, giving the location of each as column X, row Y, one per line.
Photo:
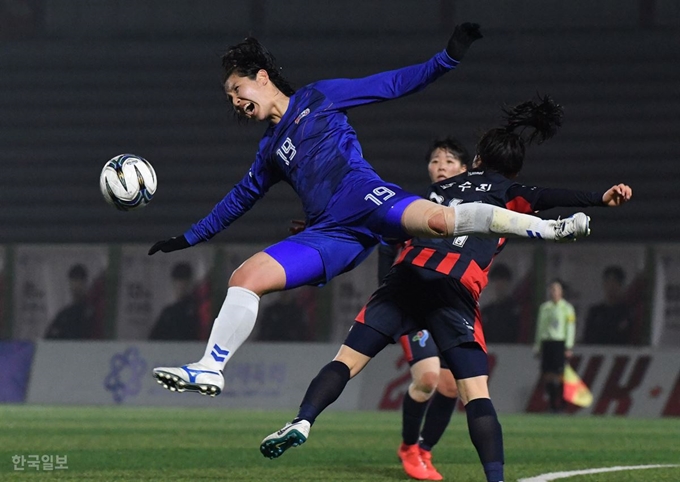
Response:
column 142, row 444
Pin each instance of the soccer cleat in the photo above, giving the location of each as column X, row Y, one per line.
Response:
column 291, row 435
column 426, row 457
column 412, row 463
column 571, row 228
column 193, row 377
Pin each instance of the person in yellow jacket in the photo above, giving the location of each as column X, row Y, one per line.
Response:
column 555, row 332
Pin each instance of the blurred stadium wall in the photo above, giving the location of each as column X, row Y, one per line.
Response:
column 84, row 80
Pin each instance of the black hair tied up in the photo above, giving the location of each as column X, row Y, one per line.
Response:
column 543, row 116
column 248, row 57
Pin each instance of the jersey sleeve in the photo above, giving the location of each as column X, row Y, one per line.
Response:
column 346, row 93
column 529, row 199
column 238, row 201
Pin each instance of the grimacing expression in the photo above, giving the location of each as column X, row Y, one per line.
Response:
column 443, row 165
column 249, row 97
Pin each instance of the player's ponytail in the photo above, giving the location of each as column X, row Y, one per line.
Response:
column 502, row 149
column 543, row 117
column 248, row 57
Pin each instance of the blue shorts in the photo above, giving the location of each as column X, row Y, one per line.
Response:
column 355, row 221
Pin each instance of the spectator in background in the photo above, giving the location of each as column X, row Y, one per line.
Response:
column 284, row 320
column 179, row 320
column 74, row 321
column 610, row 321
column 501, row 316
column 555, row 332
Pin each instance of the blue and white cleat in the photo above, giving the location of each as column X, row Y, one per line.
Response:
column 571, row 228
column 291, row 435
column 193, row 377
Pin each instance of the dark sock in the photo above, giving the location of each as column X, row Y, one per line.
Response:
column 411, row 418
column 437, row 419
column 323, row 390
column 553, row 389
column 560, row 396
column 486, row 436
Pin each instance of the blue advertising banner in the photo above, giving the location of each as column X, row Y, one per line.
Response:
column 15, row 360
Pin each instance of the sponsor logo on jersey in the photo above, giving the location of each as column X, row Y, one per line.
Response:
column 302, row 115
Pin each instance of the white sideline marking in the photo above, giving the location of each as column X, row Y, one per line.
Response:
column 564, row 475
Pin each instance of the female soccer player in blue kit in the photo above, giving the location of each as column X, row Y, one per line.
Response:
column 349, row 209
column 435, row 284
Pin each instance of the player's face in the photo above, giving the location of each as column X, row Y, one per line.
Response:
column 555, row 292
column 443, row 165
column 250, row 98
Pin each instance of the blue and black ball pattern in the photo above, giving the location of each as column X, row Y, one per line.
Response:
column 142, row 197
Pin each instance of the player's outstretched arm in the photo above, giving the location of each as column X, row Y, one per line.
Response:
column 348, row 93
column 531, row 199
column 617, row 195
column 168, row 245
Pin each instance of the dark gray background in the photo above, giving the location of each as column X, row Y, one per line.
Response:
column 83, row 81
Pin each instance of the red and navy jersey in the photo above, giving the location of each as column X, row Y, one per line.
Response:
column 468, row 258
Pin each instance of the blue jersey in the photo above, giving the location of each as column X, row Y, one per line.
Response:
column 314, row 148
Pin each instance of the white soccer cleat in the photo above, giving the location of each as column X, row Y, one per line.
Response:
column 193, row 377
column 291, row 435
column 571, row 228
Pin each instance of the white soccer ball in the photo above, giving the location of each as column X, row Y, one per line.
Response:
column 128, row 182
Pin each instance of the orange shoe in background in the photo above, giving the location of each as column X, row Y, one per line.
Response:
column 426, row 457
column 412, row 463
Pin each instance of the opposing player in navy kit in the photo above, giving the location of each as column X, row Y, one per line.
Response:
column 349, row 209
column 431, row 397
column 434, row 284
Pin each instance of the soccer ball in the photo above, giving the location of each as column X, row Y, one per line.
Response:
column 128, row 182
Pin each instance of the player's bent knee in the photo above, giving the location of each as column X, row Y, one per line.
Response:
column 354, row 360
column 260, row 274
column 426, row 383
column 425, row 218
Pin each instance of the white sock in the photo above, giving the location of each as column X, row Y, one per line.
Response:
column 479, row 219
column 233, row 325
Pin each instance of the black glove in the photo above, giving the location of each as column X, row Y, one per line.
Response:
column 172, row 244
column 462, row 38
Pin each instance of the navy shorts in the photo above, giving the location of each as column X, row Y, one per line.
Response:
column 413, row 298
column 419, row 345
column 552, row 357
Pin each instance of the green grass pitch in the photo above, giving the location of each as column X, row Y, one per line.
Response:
column 144, row 444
